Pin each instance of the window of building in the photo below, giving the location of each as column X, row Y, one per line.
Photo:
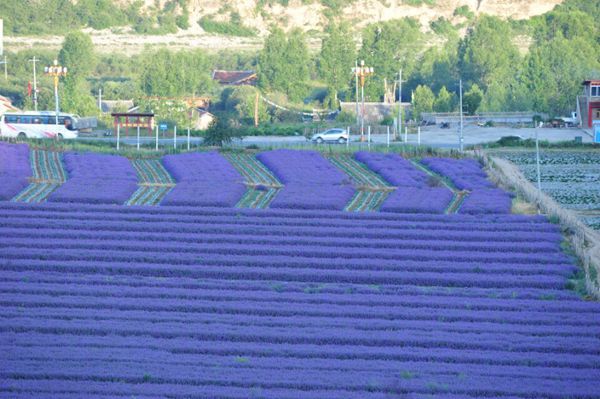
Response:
column 595, row 91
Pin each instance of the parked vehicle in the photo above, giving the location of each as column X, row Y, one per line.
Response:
column 40, row 124
column 572, row 120
column 331, row 135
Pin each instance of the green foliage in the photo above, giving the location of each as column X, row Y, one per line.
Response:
column 338, row 52
column 418, row 3
column 165, row 73
column 472, row 100
column 387, row 46
column 423, row 101
column 487, row 52
column 240, row 101
column 172, row 111
column 77, row 55
column 445, row 101
column 443, row 27
column 233, row 27
column 346, row 117
column 283, row 64
column 464, row 11
column 220, row 132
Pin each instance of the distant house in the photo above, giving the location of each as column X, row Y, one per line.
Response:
column 201, row 119
column 6, row 105
column 235, row 78
column 589, row 103
column 375, row 112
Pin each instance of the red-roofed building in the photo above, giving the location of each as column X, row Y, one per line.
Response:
column 235, row 78
column 589, row 103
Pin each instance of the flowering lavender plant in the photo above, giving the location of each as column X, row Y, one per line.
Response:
column 311, row 181
column 203, row 179
column 96, row 178
column 14, row 169
column 467, row 174
column 414, row 194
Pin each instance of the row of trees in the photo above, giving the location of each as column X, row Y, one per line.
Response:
column 544, row 77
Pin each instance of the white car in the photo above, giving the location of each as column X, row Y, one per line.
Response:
column 335, row 135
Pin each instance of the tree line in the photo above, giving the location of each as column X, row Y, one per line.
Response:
column 562, row 49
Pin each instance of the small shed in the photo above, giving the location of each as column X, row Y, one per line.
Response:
column 201, row 119
column 126, row 120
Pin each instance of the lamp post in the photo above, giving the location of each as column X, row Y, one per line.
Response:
column 361, row 72
column 55, row 71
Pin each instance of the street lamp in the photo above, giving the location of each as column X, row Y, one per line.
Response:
column 362, row 72
column 55, row 71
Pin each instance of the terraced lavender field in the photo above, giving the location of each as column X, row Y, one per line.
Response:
column 109, row 300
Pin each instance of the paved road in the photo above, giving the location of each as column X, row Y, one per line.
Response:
column 431, row 136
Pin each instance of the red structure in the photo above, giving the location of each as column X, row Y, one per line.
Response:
column 589, row 103
column 134, row 120
column 235, row 78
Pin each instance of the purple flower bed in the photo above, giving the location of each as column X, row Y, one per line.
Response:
column 467, row 174
column 311, row 181
column 14, row 169
column 97, row 179
column 203, row 179
column 102, row 301
column 414, row 195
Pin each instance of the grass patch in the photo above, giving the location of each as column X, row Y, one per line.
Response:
column 231, row 28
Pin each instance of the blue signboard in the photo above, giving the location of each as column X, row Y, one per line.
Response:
column 162, row 126
column 596, row 132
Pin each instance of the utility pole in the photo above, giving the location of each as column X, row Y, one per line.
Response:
column 399, row 125
column 100, row 99
column 362, row 71
column 356, row 86
column 5, row 68
column 35, row 99
column 57, row 71
column 461, row 116
column 537, row 160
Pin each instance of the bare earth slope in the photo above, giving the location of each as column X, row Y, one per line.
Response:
column 309, row 17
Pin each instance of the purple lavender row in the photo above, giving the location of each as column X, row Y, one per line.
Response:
column 499, row 326
column 189, row 376
column 147, row 282
column 57, row 209
column 69, row 264
column 230, row 262
column 588, row 348
column 414, row 193
column 276, row 309
column 203, row 179
column 94, row 389
column 185, row 242
column 270, row 362
column 96, row 179
column 314, row 298
column 51, row 250
column 310, row 181
column 467, row 174
column 379, row 232
column 506, row 224
column 14, row 169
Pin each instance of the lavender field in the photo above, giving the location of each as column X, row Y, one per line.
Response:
column 100, row 299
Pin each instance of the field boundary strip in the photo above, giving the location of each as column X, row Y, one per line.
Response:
column 371, row 189
column 48, row 175
column 584, row 240
column 459, row 196
column 261, row 185
column 154, row 182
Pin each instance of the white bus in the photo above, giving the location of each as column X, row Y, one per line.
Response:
column 38, row 125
